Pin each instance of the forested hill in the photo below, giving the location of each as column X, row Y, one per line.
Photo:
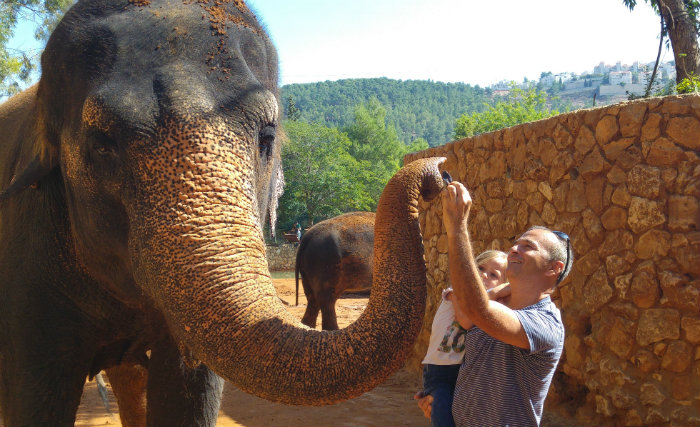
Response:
column 416, row 108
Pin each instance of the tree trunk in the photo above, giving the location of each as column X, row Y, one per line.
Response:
column 684, row 38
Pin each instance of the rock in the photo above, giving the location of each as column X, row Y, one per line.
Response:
column 621, row 196
column 653, row 243
column 644, row 214
column 684, row 131
column 652, row 127
column 644, row 290
column 662, row 152
column 576, row 199
column 646, row 361
column 681, row 388
column 644, row 181
column 613, row 218
column 594, row 193
column 584, row 141
column 622, row 284
column 650, row 395
column 677, row 292
column 621, row 399
column 593, row 164
column 656, row 324
column 597, row 291
column 606, row 129
column 677, row 357
column 616, row 175
column 631, row 117
column 691, row 329
column 683, row 213
column 615, row 265
column 615, row 148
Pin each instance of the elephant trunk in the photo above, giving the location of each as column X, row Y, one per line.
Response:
column 215, row 290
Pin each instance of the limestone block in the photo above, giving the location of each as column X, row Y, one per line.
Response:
column 652, row 127
column 442, row 244
column 644, row 214
column 593, row 227
column 646, row 361
column 622, row 284
column 549, row 214
column 585, row 140
column 621, row 196
column 688, row 179
column 687, row 257
column 576, row 199
column 677, row 357
column 621, row 399
column 653, row 243
column 562, row 136
column 559, row 168
column 615, row 242
column 593, row 164
column 616, row 175
column 644, row 290
column 662, row 152
column 686, row 416
column 668, row 176
column 631, row 117
column 683, row 213
column 614, row 148
column 681, row 387
column 588, row 263
column 678, row 292
column 684, row 131
column 546, row 190
column 650, row 395
column 605, row 129
column 691, row 329
column 632, row 418
column 493, row 205
column 627, row 311
column 629, row 157
column 442, row 262
column 656, row 324
column 594, row 193
column 655, row 417
column 535, row 200
column 616, row 265
column 620, row 338
column 644, row 181
column 597, row 291
column 613, row 218
column 603, row 406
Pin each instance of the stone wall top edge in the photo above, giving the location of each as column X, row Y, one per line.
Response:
column 654, row 102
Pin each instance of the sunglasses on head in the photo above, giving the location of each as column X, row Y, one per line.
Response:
column 564, row 237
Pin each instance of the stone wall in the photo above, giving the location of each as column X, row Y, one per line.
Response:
column 281, row 257
column 624, row 182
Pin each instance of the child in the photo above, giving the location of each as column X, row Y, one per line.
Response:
column 446, row 347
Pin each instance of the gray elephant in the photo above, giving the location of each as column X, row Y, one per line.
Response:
column 334, row 256
column 138, row 175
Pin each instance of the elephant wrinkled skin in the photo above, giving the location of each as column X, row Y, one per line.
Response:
column 334, row 256
column 137, row 176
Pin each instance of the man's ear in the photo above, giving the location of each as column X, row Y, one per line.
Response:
column 555, row 269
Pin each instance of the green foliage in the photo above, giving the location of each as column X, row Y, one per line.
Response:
column 320, row 174
column 416, row 108
column 16, row 66
column 519, row 106
column 689, row 85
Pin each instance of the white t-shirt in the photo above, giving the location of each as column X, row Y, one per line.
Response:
column 447, row 338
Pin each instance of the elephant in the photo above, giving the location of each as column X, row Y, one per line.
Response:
column 137, row 176
column 334, row 256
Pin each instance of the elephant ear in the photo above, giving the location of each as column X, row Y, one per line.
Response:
column 43, row 157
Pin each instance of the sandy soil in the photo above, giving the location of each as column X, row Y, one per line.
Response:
column 390, row 404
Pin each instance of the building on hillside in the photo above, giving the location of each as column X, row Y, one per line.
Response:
column 618, row 77
column 600, row 69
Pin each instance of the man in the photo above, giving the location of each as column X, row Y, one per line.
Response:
column 512, row 351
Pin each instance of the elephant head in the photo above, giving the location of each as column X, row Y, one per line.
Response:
column 163, row 120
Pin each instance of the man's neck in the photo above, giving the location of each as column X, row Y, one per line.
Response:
column 525, row 294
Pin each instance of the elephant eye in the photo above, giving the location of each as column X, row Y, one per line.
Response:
column 103, row 144
column 265, row 140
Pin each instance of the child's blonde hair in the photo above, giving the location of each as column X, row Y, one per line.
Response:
column 488, row 255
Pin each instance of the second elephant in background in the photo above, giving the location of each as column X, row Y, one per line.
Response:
column 334, row 256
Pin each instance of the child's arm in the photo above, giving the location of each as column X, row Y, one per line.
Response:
column 500, row 293
column 460, row 316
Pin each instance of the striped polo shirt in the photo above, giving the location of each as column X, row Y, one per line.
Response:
column 504, row 385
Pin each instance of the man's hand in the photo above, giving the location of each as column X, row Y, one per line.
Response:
column 456, row 203
column 425, row 403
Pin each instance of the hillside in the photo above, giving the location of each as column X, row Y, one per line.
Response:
column 417, row 108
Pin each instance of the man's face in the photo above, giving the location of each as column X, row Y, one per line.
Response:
column 530, row 257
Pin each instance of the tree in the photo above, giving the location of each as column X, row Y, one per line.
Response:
column 520, row 106
column 320, row 175
column 679, row 21
column 16, row 66
column 376, row 146
column 293, row 112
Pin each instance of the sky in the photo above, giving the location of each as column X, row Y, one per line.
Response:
column 474, row 42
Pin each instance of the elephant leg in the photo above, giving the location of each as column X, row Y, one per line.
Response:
column 326, row 300
column 129, row 386
column 41, row 383
column 178, row 395
column 312, row 309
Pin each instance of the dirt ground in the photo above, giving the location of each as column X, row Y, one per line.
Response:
column 390, row 404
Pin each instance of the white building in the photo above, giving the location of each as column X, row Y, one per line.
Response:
column 617, row 77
